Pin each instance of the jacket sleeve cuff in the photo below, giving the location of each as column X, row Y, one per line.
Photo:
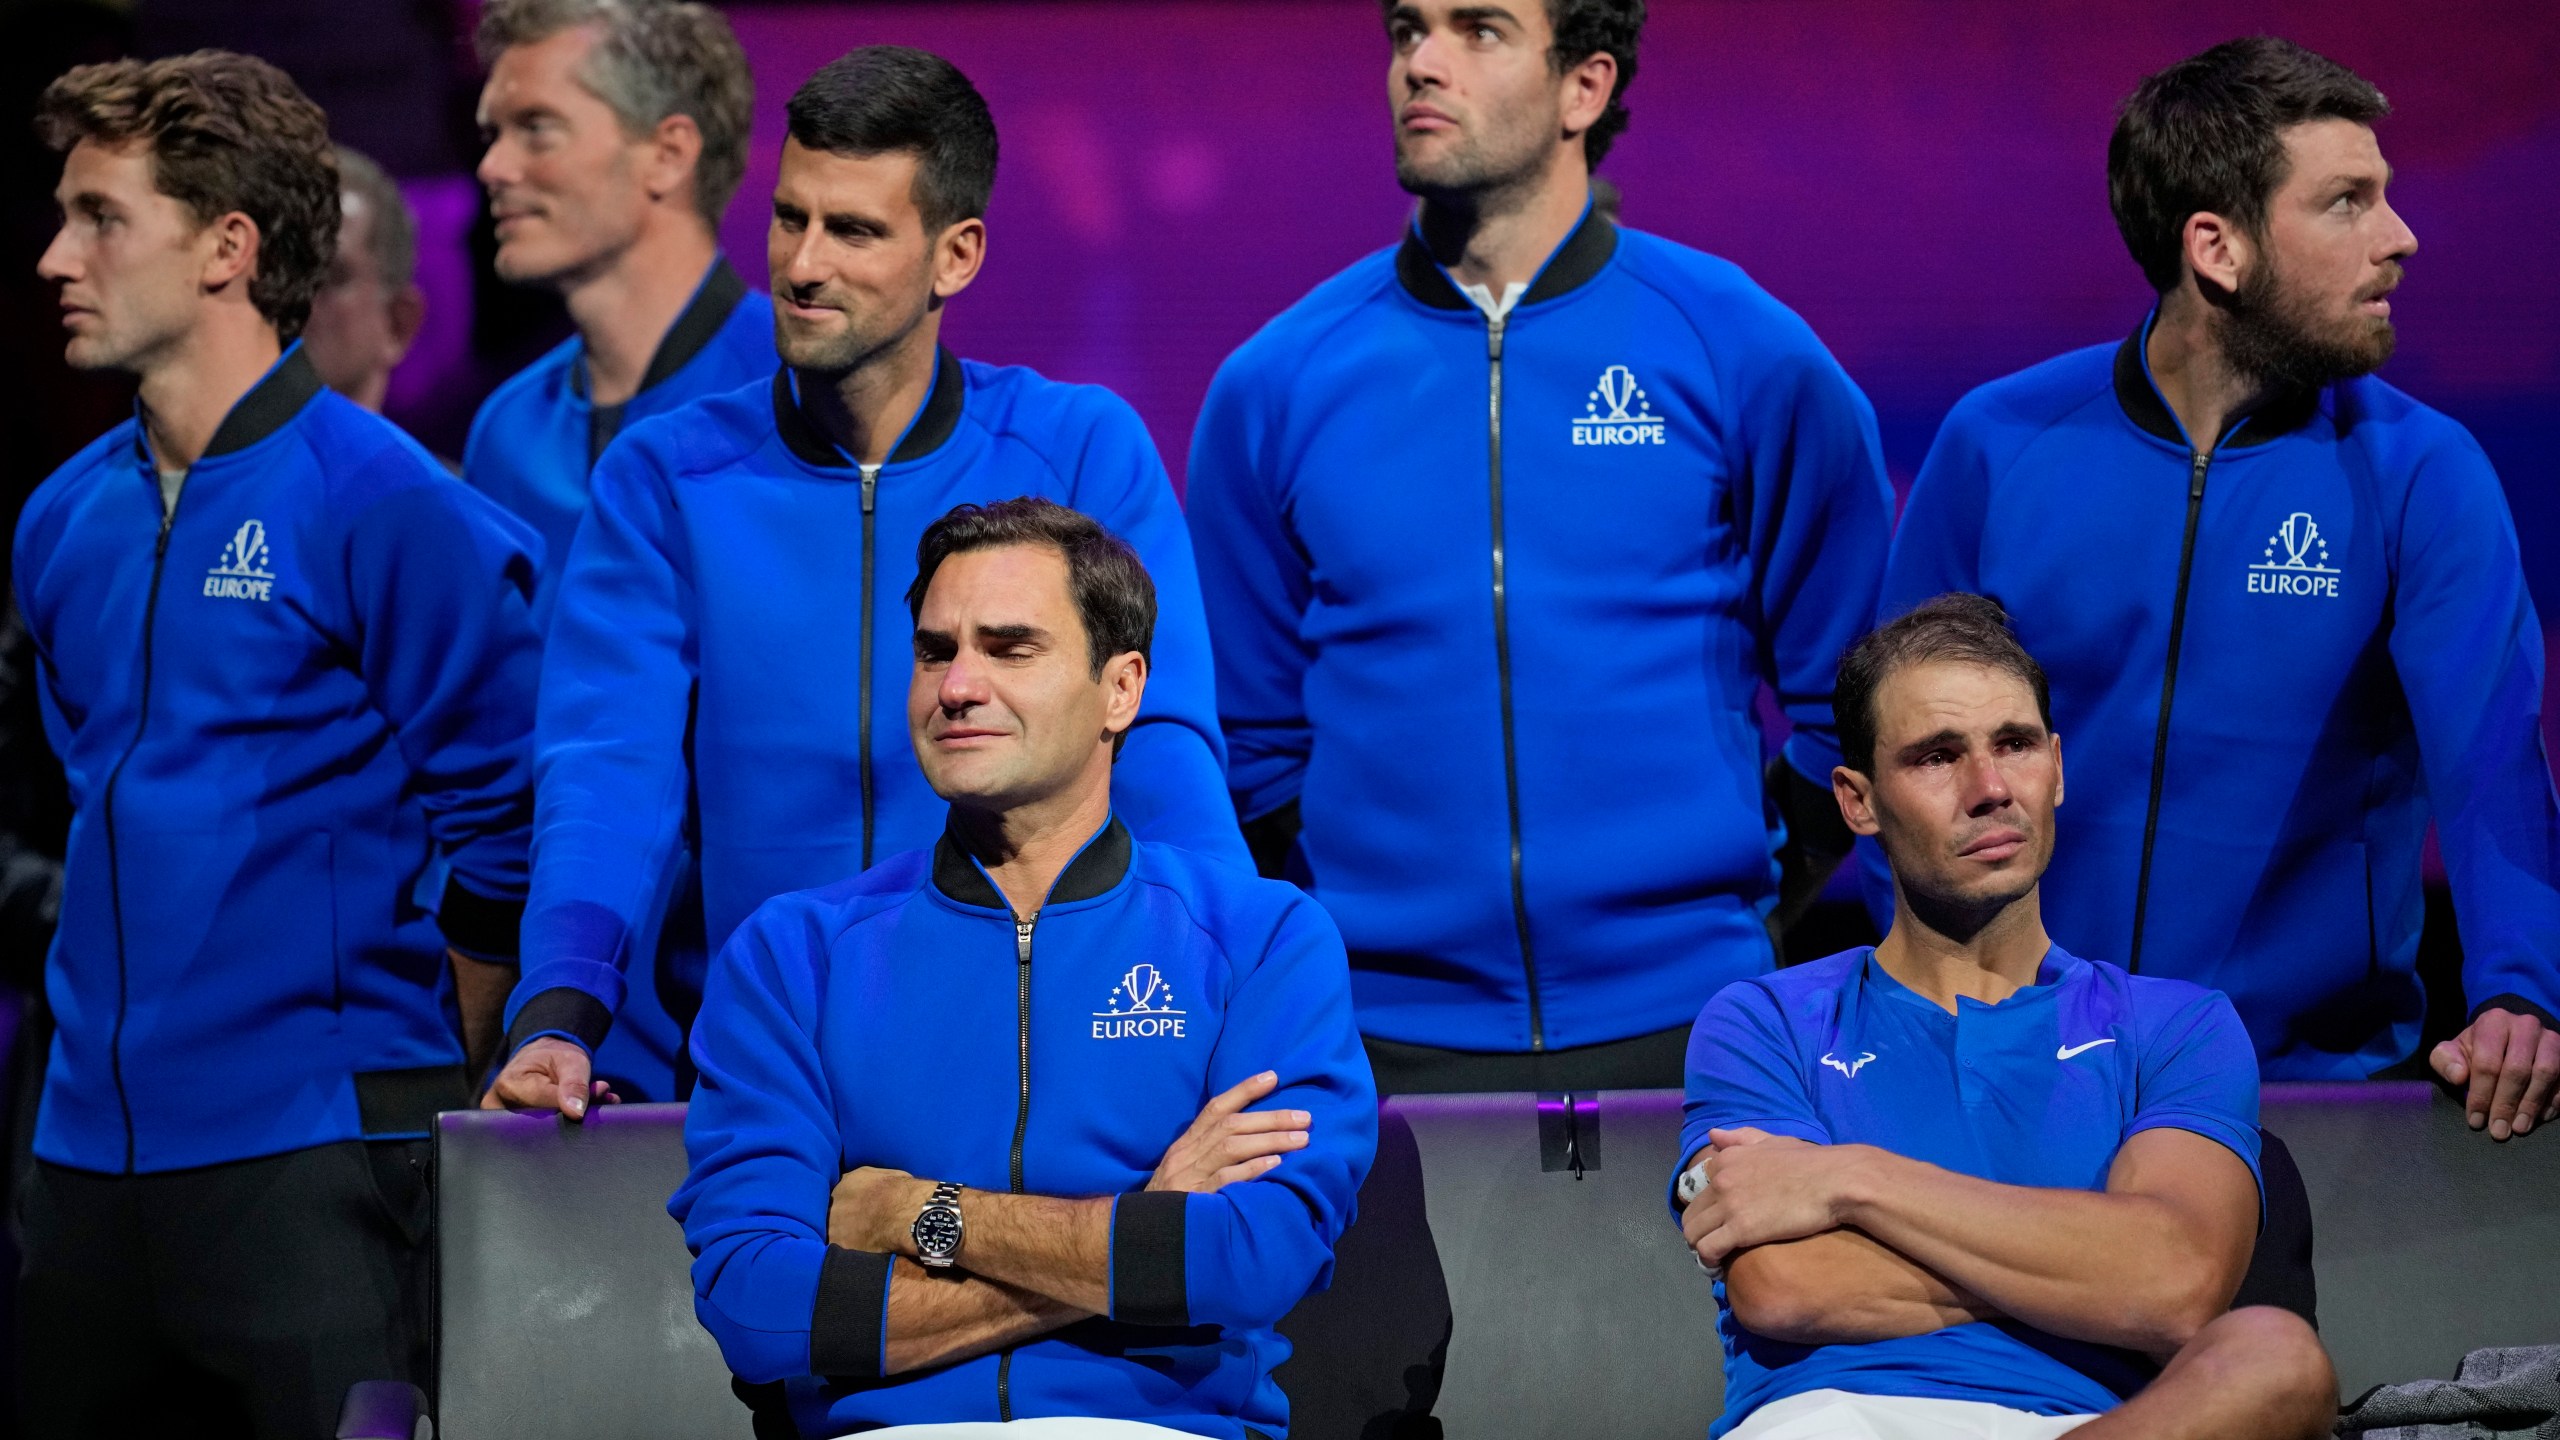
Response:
column 2514, row 1004
column 570, row 1014
column 477, row 925
column 1147, row 1260
column 849, row 1326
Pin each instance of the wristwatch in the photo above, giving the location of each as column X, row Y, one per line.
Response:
column 937, row 1230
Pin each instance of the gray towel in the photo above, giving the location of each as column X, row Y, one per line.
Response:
column 2495, row 1395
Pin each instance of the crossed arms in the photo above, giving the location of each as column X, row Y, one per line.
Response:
column 1030, row 1264
column 1846, row 1244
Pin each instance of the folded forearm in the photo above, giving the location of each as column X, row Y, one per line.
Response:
column 1841, row 1288
column 2113, row 1269
column 1059, row 1249
column 937, row 1317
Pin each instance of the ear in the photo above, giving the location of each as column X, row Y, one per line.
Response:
column 2057, row 771
column 1587, row 87
column 957, row 253
column 230, row 248
column 1124, row 683
column 408, row 317
column 675, row 149
column 1857, row 796
column 2218, row 252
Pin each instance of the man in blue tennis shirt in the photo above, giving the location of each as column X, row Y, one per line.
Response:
column 1965, row 1183
column 617, row 135
column 966, row 1146
column 1523, row 459
column 2283, row 604
column 725, row 656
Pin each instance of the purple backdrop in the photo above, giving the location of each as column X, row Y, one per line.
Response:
column 1924, row 181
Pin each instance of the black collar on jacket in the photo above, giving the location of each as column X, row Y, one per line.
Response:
column 2289, row 411
column 266, row 409
column 941, row 416
column 1572, row 266
column 709, row 309
column 1096, row 868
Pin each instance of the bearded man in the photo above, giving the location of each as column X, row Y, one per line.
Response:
column 2280, row 601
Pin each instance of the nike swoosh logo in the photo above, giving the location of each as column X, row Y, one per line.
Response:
column 2067, row 1051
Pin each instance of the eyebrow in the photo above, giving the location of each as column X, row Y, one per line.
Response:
column 1010, row 634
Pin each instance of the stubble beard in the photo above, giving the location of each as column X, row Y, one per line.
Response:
column 2282, row 340
column 1479, row 166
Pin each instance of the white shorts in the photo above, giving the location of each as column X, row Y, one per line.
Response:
column 1841, row 1415
column 1050, row 1428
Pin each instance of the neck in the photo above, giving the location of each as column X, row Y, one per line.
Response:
column 624, row 309
column 865, row 409
column 2195, row 378
column 1026, row 848
column 1499, row 237
column 186, row 393
column 1945, row 952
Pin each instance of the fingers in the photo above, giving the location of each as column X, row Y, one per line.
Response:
column 603, row 1094
column 2451, row 1065
column 1740, row 1135
column 2515, row 1072
column 572, row 1073
column 1237, row 1096
column 2542, row 1096
column 1257, row 1121
column 1271, row 1142
column 1246, row 1170
column 2484, row 1047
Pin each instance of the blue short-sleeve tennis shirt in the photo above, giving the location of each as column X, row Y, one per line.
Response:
column 2041, row 1089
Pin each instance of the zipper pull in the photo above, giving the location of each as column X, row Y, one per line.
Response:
column 2195, row 476
column 1493, row 336
column 870, row 484
column 1022, row 939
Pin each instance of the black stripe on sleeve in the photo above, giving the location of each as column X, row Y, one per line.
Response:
column 1147, row 1286
column 848, row 1325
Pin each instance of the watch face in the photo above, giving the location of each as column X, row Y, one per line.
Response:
column 938, row 1230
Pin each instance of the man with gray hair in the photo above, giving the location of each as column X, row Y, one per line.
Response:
column 369, row 308
column 617, row 133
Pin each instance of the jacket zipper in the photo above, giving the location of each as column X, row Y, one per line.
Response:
column 1494, row 325
column 2168, row 693
column 115, row 867
column 1021, row 1113
column 870, row 488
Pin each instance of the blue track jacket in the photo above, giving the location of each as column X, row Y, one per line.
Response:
column 532, row 447
column 732, row 651
column 904, row 1019
column 1492, row 602
column 275, row 710
column 537, row 437
column 2271, row 661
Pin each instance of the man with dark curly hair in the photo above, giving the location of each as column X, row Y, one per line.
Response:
column 288, row 664
column 1524, row 458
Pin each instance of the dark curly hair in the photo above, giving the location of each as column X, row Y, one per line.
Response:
column 1114, row 596
column 227, row 133
column 1972, row 629
column 2206, row 136
column 1584, row 28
